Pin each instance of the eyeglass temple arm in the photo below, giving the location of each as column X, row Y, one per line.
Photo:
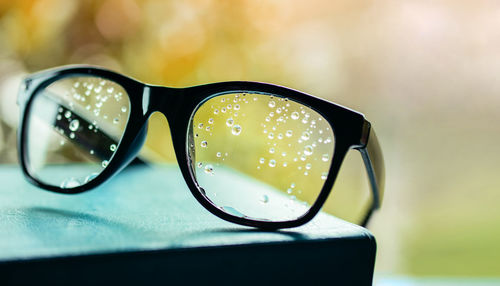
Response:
column 374, row 164
column 88, row 139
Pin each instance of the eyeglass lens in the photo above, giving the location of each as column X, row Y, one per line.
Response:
column 260, row 156
column 73, row 128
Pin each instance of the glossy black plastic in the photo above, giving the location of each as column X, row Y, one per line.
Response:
column 351, row 131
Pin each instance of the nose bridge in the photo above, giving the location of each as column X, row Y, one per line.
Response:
column 163, row 99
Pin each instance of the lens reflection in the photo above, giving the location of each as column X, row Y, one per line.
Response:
column 73, row 129
column 260, row 156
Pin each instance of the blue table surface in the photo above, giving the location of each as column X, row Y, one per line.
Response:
column 143, row 208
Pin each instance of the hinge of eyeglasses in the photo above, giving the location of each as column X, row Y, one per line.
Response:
column 365, row 133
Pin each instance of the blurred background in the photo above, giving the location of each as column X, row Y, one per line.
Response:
column 425, row 73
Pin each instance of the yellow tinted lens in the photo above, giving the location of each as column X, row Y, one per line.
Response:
column 260, row 156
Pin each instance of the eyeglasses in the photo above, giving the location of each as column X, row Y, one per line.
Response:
column 251, row 153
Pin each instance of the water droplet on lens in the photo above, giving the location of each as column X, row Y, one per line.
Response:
column 236, row 107
column 200, row 125
column 58, row 117
column 219, row 154
column 305, row 136
column 72, row 135
column 110, row 89
column 324, row 176
column 272, row 104
column 223, row 110
column 280, row 136
column 308, row 150
column 200, row 164
column 116, row 120
column 283, row 154
column 216, row 111
column 91, row 152
column 70, row 183
column 112, row 147
column 74, row 125
column 262, row 160
column 204, row 144
column 211, row 120
column 229, row 106
column 98, row 89
column 104, row 163
column 236, row 129
column 292, row 185
column 289, row 133
column 209, row 169
column 91, row 177
column 295, row 115
column 229, row 122
column 270, row 135
column 289, row 191
column 324, row 157
column 264, row 199
column 268, row 118
column 124, row 109
column 272, row 163
column 308, row 166
column 278, row 110
column 67, row 114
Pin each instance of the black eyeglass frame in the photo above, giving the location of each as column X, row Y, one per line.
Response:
column 351, row 130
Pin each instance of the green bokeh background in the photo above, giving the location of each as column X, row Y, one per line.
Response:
column 425, row 73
